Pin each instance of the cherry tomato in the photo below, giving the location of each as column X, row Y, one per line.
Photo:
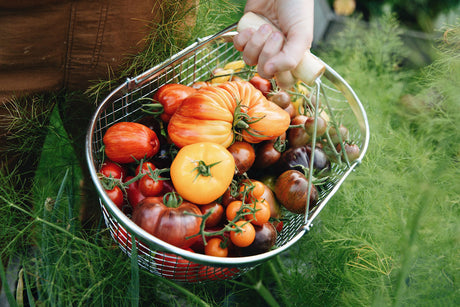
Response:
column 112, row 170
column 116, row 195
column 352, row 151
column 261, row 84
column 281, row 98
column 149, row 186
column 321, row 126
column 252, row 189
column 335, row 136
column 133, row 192
column 260, row 212
column 216, row 248
column 245, row 234
column 145, row 167
column 264, row 240
column 232, row 209
column 291, row 190
column 216, row 216
column 244, row 155
column 298, row 136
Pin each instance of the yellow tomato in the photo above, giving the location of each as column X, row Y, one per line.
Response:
column 202, row 172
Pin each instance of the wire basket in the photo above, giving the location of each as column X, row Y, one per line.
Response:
column 195, row 63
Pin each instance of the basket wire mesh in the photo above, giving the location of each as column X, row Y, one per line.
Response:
column 192, row 64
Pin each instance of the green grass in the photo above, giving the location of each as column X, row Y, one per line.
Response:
column 390, row 236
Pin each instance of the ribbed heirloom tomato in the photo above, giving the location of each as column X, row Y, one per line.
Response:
column 202, row 172
column 223, row 113
column 169, row 219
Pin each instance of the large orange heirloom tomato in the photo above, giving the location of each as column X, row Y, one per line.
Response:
column 233, row 110
column 202, row 172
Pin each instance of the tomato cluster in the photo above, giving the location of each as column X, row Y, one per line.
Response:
column 215, row 167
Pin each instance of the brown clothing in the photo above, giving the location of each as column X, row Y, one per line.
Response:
column 47, row 45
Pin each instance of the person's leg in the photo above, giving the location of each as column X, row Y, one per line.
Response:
column 76, row 110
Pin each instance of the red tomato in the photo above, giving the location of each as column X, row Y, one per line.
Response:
column 133, row 192
column 261, row 84
column 215, row 217
column 116, row 195
column 169, row 219
column 171, row 96
column 149, row 186
column 126, row 142
column 112, row 170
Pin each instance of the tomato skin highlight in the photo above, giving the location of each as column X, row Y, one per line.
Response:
column 172, row 225
column 201, row 188
column 126, row 142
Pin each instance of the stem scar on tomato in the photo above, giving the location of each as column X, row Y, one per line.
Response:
column 203, row 169
column 242, row 121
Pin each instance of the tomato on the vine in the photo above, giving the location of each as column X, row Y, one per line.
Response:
column 112, row 170
column 116, row 195
column 262, row 84
column 202, row 172
column 215, row 211
column 259, row 212
column 215, row 247
column 243, row 233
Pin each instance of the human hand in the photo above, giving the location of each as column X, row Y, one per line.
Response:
column 273, row 51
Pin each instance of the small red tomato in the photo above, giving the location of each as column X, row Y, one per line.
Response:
column 149, row 186
column 116, row 195
column 216, row 215
column 261, row 84
column 126, row 142
column 133, row 192
column 112, row 170
column 171, row 96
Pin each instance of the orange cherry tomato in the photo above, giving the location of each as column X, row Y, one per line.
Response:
column 245, row 236
column 252, row 189
column 214, row 247
column 261, row 213
column 232, row 209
